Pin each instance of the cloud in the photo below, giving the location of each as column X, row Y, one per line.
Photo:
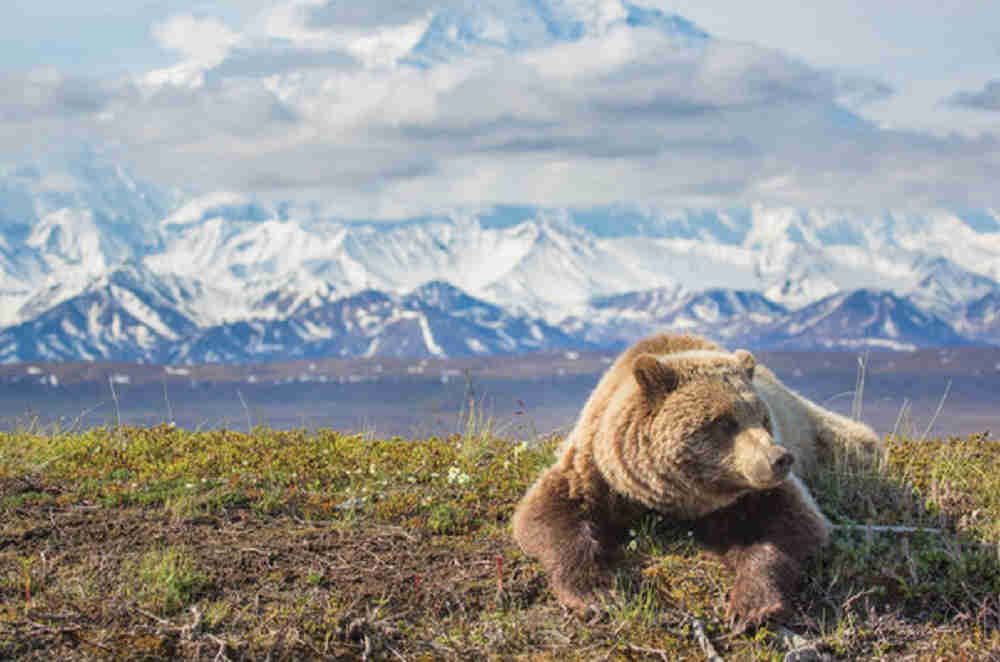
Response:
column 316, row 100
column 45, row 111
column 278, row 57
column 50, row 94
column 854, row 91
column 371, row 14
column 986, row 99
column 199, row 39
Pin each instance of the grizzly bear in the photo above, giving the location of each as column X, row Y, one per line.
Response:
column 682, row 427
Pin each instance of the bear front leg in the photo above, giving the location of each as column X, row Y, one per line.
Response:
column 570, row 538
column 764, row 538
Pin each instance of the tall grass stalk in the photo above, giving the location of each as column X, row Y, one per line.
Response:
column 944, row 396
column 857, row 405
column 246, row 409
column 114, row 396
column 166, row 398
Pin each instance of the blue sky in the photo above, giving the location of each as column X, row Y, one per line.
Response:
column 828, row 103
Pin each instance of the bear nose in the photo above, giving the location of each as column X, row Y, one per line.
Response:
column 783, row 463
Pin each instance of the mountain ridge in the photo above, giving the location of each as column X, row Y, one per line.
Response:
column 224, row 259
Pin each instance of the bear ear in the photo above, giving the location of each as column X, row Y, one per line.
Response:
column 746, row 361
column 655, row 379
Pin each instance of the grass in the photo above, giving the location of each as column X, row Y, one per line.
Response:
column 127, row 543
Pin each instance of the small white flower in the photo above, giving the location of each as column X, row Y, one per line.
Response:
column 456, row 475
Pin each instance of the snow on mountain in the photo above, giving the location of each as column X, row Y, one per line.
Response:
column 980, row 319
column 859, row 319
column 224, row 258
column 733, row 317
column 540, row 265
column 71, row 220
column 127, row 314
column 944, row 287
column 435, row 320
column 480, row 28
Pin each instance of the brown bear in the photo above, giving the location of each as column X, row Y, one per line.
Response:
column 681, row 426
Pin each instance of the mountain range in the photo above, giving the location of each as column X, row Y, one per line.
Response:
column 230, row 280
column 97, row 263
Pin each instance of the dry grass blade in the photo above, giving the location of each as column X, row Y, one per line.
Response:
column 937, row 412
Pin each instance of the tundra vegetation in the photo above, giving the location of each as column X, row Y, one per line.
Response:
column 124, row 543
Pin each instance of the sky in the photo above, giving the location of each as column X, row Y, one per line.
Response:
column 846, row 104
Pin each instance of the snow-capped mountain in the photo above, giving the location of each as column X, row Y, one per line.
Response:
column 101, row 266
column 980, row 319
column 859, row 319
column 944, row 287
column 127, row 314
column 480, row 28
column 548, row 261
column 730, row 316
column 72, row 220
column 435, row 320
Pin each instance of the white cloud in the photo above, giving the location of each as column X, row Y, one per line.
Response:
column 312, row 100
column 202, row 43
column 204, row 40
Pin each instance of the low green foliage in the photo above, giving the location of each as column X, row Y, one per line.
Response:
column 165, row 580
column 169, row 544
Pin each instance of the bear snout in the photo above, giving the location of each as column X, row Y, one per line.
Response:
column 771, row 465
column 783, row 464
column 779, row 464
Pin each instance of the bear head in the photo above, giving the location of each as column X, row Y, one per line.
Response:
column 701, row 436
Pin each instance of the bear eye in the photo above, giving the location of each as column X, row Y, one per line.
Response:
column 766, row 423
column 728, row 425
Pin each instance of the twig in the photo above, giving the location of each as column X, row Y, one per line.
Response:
column 887, row 529
column 652, row 651
column 706, row 644
column 221, row 655
column 162, row 622
column 856, row 596
column 944, row 396
column 191, row 631
column 75, row 629
column 79, row 419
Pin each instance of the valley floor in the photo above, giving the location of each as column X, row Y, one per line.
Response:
column 522, row 395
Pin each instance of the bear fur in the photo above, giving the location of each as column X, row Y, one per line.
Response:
column 680, row 426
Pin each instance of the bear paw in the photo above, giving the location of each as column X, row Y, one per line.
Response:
column 746, row 611
column 593, row 607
